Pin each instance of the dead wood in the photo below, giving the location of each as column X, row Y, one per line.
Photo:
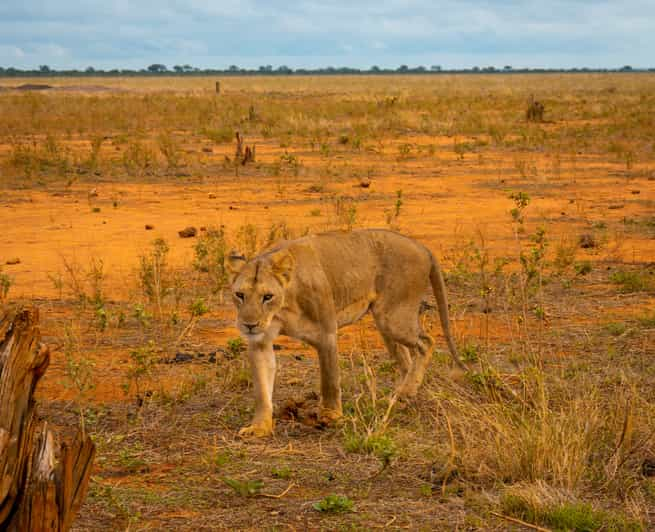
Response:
column 535, row 111
column 38, row 490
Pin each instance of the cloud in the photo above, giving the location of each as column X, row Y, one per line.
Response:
column 206, row 33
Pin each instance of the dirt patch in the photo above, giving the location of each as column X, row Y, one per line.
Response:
column 450, row 161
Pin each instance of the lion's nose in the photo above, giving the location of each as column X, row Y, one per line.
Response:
column 250, row 326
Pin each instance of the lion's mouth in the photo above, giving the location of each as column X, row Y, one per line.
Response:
column 251, row 333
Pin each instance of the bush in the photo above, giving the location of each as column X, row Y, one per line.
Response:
column 210, row 252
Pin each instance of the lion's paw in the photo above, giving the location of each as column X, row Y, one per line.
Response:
column 327, row 416
column 256, row 431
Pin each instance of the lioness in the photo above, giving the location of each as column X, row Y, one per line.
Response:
column 309, row 287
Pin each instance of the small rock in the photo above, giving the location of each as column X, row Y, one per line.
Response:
column 615, row 206
column 587, row 241
column 291, row 409
column 365, row 183
column 207, row 149
column 149, row 227
column 203, row 228
column 211, row 195
column 648, row 467
column 277, row 347
column 181, row 358
column 232, row 208
column 93, row 193
column 15, row 260
column 425, row 306
column 188, row 232
column 635, row 191
column 311, row 396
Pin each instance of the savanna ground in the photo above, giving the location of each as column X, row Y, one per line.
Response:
column 546, row 232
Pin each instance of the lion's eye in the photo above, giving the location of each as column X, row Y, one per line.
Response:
column 239, row 296
column 267, row 297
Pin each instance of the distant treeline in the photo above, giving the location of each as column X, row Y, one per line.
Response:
column 268, row 70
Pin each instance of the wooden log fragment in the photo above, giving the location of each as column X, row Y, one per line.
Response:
column 39, row 491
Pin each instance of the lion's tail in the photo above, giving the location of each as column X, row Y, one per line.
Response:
column 439, row 289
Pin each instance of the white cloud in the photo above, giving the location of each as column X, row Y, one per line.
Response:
column 135, row 33
column 11, row 52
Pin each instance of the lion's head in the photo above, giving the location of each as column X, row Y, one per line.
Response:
column 258, row 289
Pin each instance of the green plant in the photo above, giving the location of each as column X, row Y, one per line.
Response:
column 278, row 231
column 170, row 149
column 142, row 316
column 426, row 490
column 404, row 150
column 142, row 361
column 521, row 201
column 138, row 159
column 76, row 285
column 153, row 273
column 647, row 320
column 345, row 211
column 245, row 488
column 94, row 156
column 382, row 446
column 101, row 318
column 210, row 252
column 582, row 268
column 564, row 255
column 616, row 328
column 78, row 371
column 470, row 352
column 235, row 346
column 334, row 504
column 197, row 309
column 96, row 277
column 633, row 281
column 291, row 161
column 283, row 472
column 5, row 285
column 532, row 261
column 399, row 202
column 562, row 514
column 248, row 239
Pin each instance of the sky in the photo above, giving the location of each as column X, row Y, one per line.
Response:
column 309, row 34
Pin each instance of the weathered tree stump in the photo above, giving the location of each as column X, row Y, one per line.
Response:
column 535, row 111
column 38, row 490
column 243, row 156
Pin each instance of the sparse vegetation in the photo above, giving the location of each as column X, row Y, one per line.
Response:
column 552, row 425
column 334, row 504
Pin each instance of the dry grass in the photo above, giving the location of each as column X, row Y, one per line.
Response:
column 554, row 424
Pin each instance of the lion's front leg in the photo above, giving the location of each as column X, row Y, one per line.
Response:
column 330, row 379
column 262, row 364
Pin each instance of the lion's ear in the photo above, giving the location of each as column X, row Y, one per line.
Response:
column 234, row 263
column 282, row 264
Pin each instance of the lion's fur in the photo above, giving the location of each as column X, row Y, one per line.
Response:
column 322, row 282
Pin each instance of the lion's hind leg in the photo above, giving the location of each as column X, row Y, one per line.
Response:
column 404, row 338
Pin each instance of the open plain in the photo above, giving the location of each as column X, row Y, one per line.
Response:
column 545, row 229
